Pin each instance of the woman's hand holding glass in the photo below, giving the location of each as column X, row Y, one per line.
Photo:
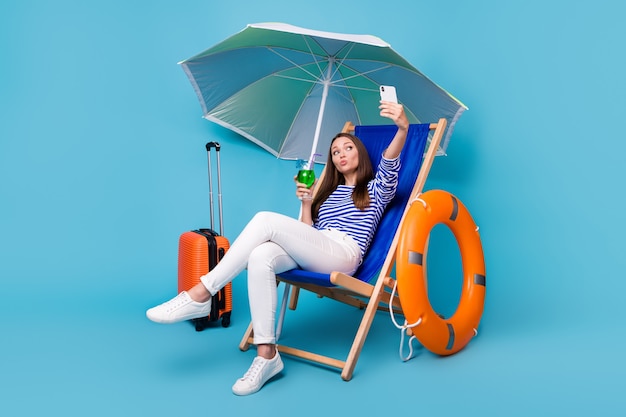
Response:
column 304, row 192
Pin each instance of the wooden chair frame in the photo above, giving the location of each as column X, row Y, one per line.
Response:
column 353, row 291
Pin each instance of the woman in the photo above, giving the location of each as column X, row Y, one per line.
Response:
column 344, row 216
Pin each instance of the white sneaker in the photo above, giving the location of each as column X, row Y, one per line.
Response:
column 179, row 308
column 259, row 373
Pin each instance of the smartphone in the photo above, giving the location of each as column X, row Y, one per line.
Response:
column 388, row 93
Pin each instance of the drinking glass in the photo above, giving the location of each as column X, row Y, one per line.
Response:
column 306, row 175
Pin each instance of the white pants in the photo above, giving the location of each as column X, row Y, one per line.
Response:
column 272, row 243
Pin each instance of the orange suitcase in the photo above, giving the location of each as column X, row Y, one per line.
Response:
column 200, row 250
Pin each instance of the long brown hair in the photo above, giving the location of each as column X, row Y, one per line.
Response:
column 333, row 178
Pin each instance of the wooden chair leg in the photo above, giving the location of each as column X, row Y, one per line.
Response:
column 359, row 339
column 295, row 293
column 244, row 345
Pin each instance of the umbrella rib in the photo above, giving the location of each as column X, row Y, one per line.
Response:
column 361, row 74
column 298, row 66
column 317, row 81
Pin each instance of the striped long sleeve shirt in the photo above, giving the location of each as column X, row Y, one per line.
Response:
column 339, row 212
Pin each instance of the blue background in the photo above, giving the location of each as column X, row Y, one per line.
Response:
column 102, row 166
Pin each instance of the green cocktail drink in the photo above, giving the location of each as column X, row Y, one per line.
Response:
column 307, row 177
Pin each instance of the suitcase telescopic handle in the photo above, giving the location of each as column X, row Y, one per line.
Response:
column 213, row 145
column 210, row 146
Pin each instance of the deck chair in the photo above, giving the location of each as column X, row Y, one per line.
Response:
column 369, row 288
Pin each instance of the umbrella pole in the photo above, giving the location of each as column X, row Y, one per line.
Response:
column 320, row 116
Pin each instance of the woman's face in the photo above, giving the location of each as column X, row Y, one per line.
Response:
column 345, row 155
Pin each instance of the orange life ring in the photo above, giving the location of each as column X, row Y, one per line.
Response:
column 437, row 334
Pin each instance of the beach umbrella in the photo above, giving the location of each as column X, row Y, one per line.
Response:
column 290, row 89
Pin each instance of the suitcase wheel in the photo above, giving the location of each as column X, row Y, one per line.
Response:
column 200, row 324
column 226, row 319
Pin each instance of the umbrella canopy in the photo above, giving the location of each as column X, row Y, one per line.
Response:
column 290, row 89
